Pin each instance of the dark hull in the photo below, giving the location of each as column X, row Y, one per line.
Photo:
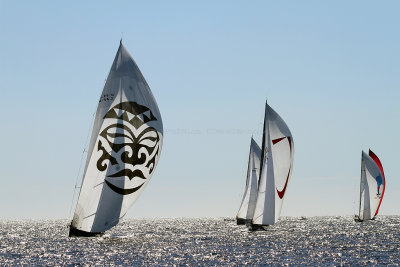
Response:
column 76, row 232
column 256, row 227
column 357, row 219
column 240, row 221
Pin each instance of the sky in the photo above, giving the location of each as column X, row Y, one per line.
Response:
column 329, row 68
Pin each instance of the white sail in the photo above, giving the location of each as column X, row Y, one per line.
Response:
column 372, row 186
column 124, row 148
column 276, row 168
column 248, row 204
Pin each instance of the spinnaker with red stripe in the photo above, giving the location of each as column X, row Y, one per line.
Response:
column 372, row 186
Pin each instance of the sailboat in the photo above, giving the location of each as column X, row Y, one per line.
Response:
column 372, row 187
column 124, row 149
column 275, row 170
column 248, row 204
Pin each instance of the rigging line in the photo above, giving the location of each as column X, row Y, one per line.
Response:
column 85, row 150
column 259, row 128
column 355, row 198
column 76, row 182
column 80, row 165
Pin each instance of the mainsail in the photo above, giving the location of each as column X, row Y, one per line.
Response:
column 124, row 148
column 246, row 210
column 372, row 186
column 275, row 168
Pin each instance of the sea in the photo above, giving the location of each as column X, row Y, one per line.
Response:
column 322, row 241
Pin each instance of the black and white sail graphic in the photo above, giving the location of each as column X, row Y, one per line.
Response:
column 124, row 148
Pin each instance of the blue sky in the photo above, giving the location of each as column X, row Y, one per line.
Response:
column 329, row 68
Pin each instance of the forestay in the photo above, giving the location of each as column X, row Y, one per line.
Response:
column 124, row 148
column 276, row 168
column 246, row 210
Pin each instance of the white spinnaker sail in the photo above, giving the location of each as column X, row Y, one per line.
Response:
column 372, row 186
column 276, row 168
column 124, row 148
column 246, row 210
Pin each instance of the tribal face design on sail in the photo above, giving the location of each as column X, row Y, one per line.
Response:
column 129, row 144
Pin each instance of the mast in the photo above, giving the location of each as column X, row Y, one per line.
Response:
column 261, row 162
column 261, row 165
column 265, row 201
column 248, row 167
column 361, row 182
column 263, row 144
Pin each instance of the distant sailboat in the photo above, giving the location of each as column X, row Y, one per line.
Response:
column 275, row 169
column 372, row 187
column 246, row 210
column 124, row 149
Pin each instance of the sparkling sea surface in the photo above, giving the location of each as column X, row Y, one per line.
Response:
column 329, row 241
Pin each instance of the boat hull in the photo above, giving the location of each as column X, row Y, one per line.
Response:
column 357, row 219
column 240, row 221
column 256, row 227
column 79, row 233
